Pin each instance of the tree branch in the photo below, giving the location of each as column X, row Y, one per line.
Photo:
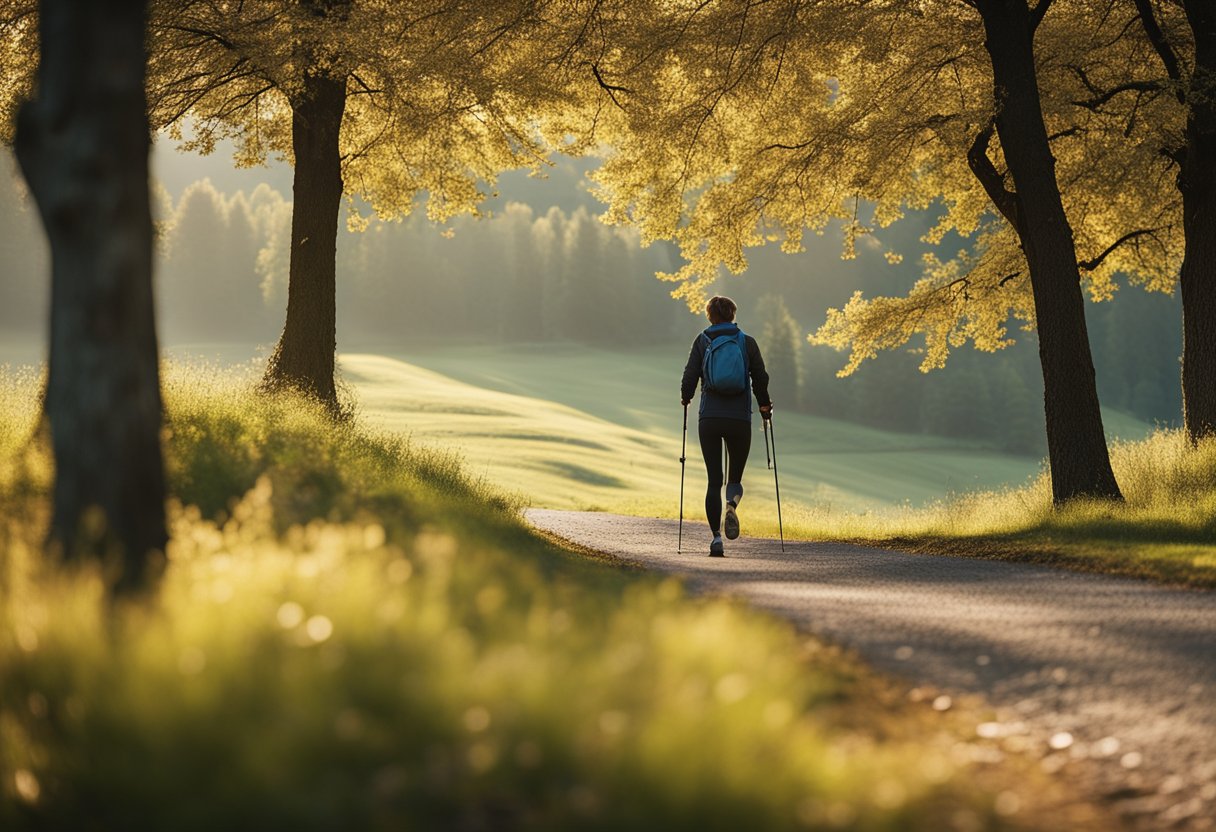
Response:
column 366, row 89
column 779, row 146
column 1102, row 97
column 611, row 89
column 1090, row 265
column 1068, row 131
column 1005, row 200
column 1148, row 19
column 1080, row 72
column 205, row 34
column 1037, row 14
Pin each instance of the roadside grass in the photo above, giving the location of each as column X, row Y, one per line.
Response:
column 1164, row 530
column 353, row 634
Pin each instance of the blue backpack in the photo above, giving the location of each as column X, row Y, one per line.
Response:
column 724, row 366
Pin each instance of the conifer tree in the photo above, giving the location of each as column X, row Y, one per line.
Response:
column 780, row 338
column 526, row 302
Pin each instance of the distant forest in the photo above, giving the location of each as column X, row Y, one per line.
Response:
column 562, row 276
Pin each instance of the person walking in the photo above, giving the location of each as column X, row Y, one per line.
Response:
column 727, row 363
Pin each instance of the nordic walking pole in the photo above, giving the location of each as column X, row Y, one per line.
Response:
column 683, row 457
column 770, row 435
column 768, row 459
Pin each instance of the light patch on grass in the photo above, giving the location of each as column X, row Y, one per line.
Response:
column 1165, row 529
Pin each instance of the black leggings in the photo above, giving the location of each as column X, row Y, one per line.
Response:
column 738, row 436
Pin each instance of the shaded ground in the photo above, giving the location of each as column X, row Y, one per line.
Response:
column 1110, row 678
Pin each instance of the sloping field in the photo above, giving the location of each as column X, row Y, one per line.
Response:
column 580, row 428
column 572, row 427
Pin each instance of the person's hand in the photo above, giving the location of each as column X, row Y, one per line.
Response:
column 766, row 411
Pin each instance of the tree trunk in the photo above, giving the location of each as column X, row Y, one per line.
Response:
column 1197, row 182
column 304, row 358
column 1076, row 443
column 83, row 145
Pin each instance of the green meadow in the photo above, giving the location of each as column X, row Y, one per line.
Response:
column 575, row 427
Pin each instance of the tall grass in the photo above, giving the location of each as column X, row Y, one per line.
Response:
column 1165, row 528
column 351, row 634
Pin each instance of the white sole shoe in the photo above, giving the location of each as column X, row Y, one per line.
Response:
column 731, row 523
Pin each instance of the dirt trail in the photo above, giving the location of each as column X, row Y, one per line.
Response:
column 1120, row 675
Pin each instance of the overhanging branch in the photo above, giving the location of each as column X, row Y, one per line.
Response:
column 1102, row 97
column 367, row 90
column 611, row 89
column 1090, row 265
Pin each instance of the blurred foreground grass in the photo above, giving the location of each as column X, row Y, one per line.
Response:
column 351, row 634
column 1164, row 530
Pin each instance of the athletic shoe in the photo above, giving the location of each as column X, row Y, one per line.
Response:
column 715, row 548
column 731, row 523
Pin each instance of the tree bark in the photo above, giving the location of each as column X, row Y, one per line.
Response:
column 83, row 145
column 1076, row 442
column 1197, row 183
column 304, row 358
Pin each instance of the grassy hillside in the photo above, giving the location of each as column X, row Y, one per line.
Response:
column 352, row 634
column 566, row 426
column 574, row 427
column 581, row 428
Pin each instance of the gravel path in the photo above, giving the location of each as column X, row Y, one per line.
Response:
column 1113, row 678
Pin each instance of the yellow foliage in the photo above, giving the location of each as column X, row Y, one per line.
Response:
column 439, row 95
column 742, row 118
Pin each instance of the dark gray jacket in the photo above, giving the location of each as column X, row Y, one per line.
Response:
column 714, row 404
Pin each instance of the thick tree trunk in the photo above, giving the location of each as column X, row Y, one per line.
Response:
column 304, row 357
column 1197, row 183
column 1076, row 443
column 83, row 145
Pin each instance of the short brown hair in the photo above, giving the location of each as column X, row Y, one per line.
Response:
column 720, row 309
